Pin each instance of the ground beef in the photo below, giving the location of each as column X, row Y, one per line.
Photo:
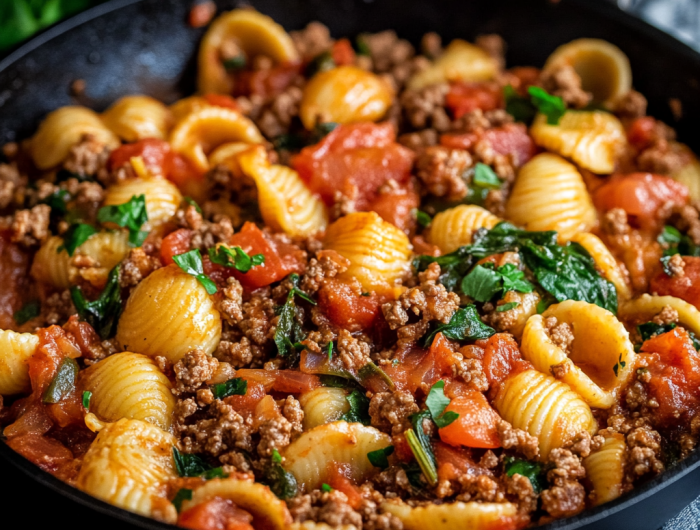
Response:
column 482, row 488
column 563, row 81
column 425, row 108
column 326, row 264
column 12, row 185
column 560, row 333
column 615, row 222
column 393, row 56
column 193, row 370
column 274, row 434
column 686, row 219
column 632, row 105
column 230, row 304
column 31, row 227
column 419, row 140
column 390, row 410
column 667, row 315
column 331, row 508
column 292, row 411
column 136, row 266
column 520, row 490
column 258, row 313
column 645, row 451
column 371, row 518
column 662, row 157
column 240, row 354
column 88, row 158
column 208, row 234
column 276, row 117
column 471, row 371
column 57, row 308
column 442, row 171
column 353, row 353
column 314, row 39
column 518, row 440
column 507, row 321
column 567, row 496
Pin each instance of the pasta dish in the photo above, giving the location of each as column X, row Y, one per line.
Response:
column 353, row 283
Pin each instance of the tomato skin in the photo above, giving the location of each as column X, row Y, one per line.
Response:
column 454, row 462
column 345, row 308
column 686, row 287
column 502, row 358
column 174, row 244
column 156, row 155
column 356, row 160
column 395, row 207
column 640, row 133
column 266, row 83
column 245, row 405
column 640, row 195
column 476, row 425
column 337, row 476
column 675, row 375
column 216, row 514
column 465, row 97
column 47, row 453
column 342, row 52
column 285, row 381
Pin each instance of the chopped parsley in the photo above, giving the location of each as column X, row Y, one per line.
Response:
column 131, row 215
column 29, row 311
column 619, row 364
column 484, row 282
column 191, row 263
column 76, row 235
column 380, row 457
column 521, row 108
column 674, row 242
column 465, row 324
column 192, row 465
column 422, row 218
column 485, row 177
column 233, row 387
column 235, row 257
column 87, row 396
column 437, row 402
column 553, row 107
column 535, row 472
column 183, row 494
column 507, row 307
column 192, row 202
column 233, row 64
column 63, row 382
column 321, row 63
column 326, row 488
column 103, row 313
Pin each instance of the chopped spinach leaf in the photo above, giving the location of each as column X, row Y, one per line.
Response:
column 233, row 387
column 422, row 218
column 281, row 482
column 676, row 243
column 58, row 201
column 535, row 472
column 321, row 63
column 651, row 329
column 287, row 333
column 552, row 107
column 437, row 402
column 326, row 488
column 29, row 311
column 233, row 64
column 217, row 472
column 76, row 235
column 482, row 283
column 63, row 382
column 189, row 465
column 191, row 263
column 103, row 313
column 131, row 215
column 183, row 494
column 619, row 364
column 507, row 307
column 87, row 396
column 465, row 324
column 521, row 108
column 359, row 408
column 485, row 177
column 235, row 257
column 361, row 46
column 380, row 457
column 419, row 442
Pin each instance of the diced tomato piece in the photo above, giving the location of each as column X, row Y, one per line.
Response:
column 285, row 381
column 395, row 206
column 280, row 259
column 221, row 100
column 156, row 155
column 216, row 514
column 640, row 133
column 640, row 195
column 455, row 462
column 266, row 83
column 174, row 244
column 675, row 376
column 14, row 276
column 342, row 52
column 245, row 405
column 502, row 358
column 686, row 287
column 465, row 97
column 356, row 160
column 459, row 141
column 347, row 309
column 476, row 425
column 337, row 474
column 201, row 14
column 510, row 139
column 45, row 452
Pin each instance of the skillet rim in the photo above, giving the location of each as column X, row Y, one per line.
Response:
column 587, row 517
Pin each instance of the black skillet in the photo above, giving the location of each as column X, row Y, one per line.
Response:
column 145, row 46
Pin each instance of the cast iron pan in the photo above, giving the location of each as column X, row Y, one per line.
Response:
column 144, row 46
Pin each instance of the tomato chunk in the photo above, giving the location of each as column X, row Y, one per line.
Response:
column 501, row 358
column 641, row 132
column 174, row 244
column 156, row 155
column 465, row 97
column 337, row 475
column 266, row 83
column 355, row 160
column 347, row 309
column 285, row 381
column 454, row 462
column 476, row 425
column 417, row 366
column 686, row 287
column 510, row 139
column 45, row 452
column 221, row 100
column 246, row 404
column 395, row 206
column 342, row 52
column 675, row 376
column 640, row 195
column 216, row 514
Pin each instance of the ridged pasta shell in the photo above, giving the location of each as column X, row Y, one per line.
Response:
column 169, row 313
column 549, row 194
column 130, row 385
column 544, row 407
column 15, row 351
column 592, row 139
column 62, row 129
column 346, row 94
column 309, row 456
column 605, row 469
column 135, row 118
column 323, row 405
column 461, row 61
column 162, row 197
column 601, row 359
column 455, row 515
column 604, row 69
column 285, row 202
column 226, row 154
column 310, row 525
column 689, row 175
column 267, row 510
column 128, row 466
column 204, row 129
column 253, row 33
column 455, row 227
column 605, row 262
column 646, row 307
column 379, row 253
column 51, row 266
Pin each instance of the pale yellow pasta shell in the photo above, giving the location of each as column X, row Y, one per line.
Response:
column 51, row 266
column 310, row 525
column 592, row 139
column 130, row 385
column 186, row 106
column 455, row 227
column 226, row 154
column 309, row 456
column 162, row 197
column 169, row 313
column 269, row 512
column 605, row 262
column 346, row 94
column 689, row 175
column 544, row 407
column 128, row 465
column 379, row 253
column 520, row 314
column 453, row 515
column 604, row 69
column 62, row 129
column 323, row 405
column 135, row 118
column 285, row 202
column 461, row 61
column 253, row 33
column 602, row 356
column 646, row 307
column 605, row 469
column 205, row 129
column 549, row 194
column 15, row 351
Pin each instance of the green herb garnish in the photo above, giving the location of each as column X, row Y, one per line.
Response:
column 359, row 408
column 286, row 333
column 281, row 482
column 183, row 494
column 76, row 235
column 233, row 64
column 507, row 307
column 619, row 364
column 103, row 313
column 380, row 457
column 29, row 311
column 534, row 471
column 552, row 107
column 192, row 202
column 326, row 488
column 87, row 396
column 235, row 257
column 419, row 442
column 422, row 218
column 191, row 465
column 63, row 382
column 465, row 324
column 191, row 263
column 437, row 402
column 131, row 215
column 233, row 387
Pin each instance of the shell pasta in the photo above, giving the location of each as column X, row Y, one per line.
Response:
column 353, row 284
